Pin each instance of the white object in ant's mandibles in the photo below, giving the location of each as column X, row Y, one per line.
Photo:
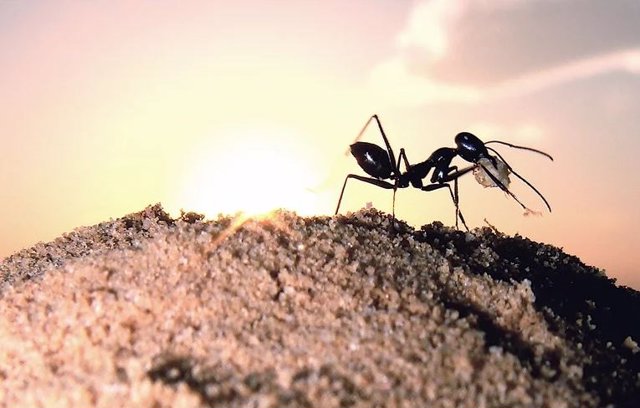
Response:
column 500, row 172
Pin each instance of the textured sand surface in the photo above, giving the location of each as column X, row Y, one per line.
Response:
column 288, row 311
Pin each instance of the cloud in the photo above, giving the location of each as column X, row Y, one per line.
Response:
column 466, row 52
column 428, row 27
column 626, row 61
column 432, row 23
column 392, row 82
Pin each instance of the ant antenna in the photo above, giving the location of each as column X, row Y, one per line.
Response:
column 519, row 176
column 520, row 147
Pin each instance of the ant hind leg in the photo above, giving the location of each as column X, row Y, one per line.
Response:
column 370, row 180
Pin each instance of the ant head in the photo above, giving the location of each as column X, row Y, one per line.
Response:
column 470, row 147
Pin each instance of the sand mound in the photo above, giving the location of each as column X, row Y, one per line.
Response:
column 312, row 312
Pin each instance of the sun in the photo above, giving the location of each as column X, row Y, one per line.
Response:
column 251, row 170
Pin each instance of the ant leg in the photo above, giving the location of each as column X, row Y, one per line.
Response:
column 452, row 175
column 375, row 182
column 403, row 157
column 454, row 197
column 457, row 201
column 393, row 205
column 458, row 173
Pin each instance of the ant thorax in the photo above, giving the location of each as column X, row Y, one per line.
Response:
column 499, row 172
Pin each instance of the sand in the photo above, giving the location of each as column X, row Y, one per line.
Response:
column 349, row 311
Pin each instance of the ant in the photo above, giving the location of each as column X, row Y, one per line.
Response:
column 489, row 170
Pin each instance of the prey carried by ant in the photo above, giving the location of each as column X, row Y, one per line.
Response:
column 490, row 170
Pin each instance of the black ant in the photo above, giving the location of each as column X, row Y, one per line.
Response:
column 381, row 165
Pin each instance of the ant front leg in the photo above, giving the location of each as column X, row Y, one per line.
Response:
column 370, row 180
column 456, row 200
column 453, row 174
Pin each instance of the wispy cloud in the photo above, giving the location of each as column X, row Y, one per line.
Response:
column 428, row 26
column 618, row 61
column 413, row 75
column 392, row 82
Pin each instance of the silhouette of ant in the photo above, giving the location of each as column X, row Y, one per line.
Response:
column 490, row 171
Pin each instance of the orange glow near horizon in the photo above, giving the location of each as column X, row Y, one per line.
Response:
column 222, row 107
column 256, row 170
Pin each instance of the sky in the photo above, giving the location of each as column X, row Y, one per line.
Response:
column 217, row 107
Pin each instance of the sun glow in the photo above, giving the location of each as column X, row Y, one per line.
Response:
column 252, row 171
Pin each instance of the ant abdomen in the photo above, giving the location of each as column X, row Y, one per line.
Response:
column 373, row 159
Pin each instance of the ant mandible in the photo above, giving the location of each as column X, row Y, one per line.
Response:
column 381, row 165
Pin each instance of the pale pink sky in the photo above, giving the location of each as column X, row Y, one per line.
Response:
column 108, row 106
